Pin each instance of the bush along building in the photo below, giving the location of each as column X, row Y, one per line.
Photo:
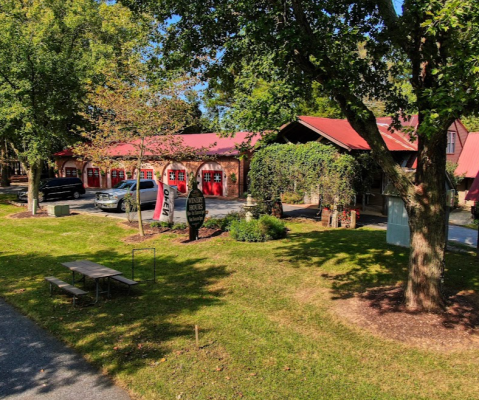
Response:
column 462, row 148
column 222, row 171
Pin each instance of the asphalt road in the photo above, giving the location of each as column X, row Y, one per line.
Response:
column 34, row 365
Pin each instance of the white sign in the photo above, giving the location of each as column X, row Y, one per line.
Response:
column 165, row 204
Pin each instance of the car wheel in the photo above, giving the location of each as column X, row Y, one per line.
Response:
column 76, row 195
column 122, row 206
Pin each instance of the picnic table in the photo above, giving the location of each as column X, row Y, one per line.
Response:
column 91, row 270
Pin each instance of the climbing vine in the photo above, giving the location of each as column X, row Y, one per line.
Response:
column 310, row 167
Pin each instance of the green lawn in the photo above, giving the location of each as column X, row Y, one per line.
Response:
column 264, row 312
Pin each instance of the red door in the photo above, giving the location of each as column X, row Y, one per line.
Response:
column 117, row 175
column 93, row 177
column 218, row 183
column 146, row 174
column 70, row 172
column 177, row 177
column 207, row 182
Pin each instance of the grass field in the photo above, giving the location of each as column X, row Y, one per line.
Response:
column 264, row 311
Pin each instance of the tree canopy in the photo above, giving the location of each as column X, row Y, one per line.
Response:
column 51, row 55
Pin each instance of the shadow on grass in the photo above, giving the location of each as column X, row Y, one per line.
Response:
column 353, row 260
column 121, row 334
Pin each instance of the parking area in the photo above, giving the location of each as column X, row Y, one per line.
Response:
column 216, row 208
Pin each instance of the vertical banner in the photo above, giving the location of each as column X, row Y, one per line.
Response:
column 165, row 204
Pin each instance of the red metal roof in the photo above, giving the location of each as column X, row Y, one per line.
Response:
column 473, row 193
column 339, row 131
column 225, row 146
column 468, row 163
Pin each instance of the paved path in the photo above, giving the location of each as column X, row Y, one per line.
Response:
column 462, row 235
column 34, row 365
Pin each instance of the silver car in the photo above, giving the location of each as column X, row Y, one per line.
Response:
column 114, row 198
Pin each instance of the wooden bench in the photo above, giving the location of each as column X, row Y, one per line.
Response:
column 126, row 281
column 66, row 287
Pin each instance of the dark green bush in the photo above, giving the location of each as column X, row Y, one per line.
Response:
column 213, row 223
column 229, row 219
column 272, row 227
column 258, row 230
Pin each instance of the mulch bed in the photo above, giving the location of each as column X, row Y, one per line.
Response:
column 39, row 214
column 150, row 233
column 28, row 214
column 382, row 312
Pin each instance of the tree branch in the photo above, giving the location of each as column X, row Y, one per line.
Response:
column 8, row 80
column 387, row 11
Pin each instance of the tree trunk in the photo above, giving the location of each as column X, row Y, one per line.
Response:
column 424, row 195
column 34, row 174
column 138, row 173
column 426, row 263
column 5, row 169
column 426, row 208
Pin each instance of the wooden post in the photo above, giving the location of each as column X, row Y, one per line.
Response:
column 34, row 207
column 353, row 219
column 197, row 337
column 193, row 233
column 325, row 216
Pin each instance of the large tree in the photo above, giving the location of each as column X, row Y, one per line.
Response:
column 356, row 50
column 52, row 53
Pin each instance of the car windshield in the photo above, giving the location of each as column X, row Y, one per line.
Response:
column 125, row 185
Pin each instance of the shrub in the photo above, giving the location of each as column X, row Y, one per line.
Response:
column 271, row 227
column 212, row 223
column 229, row 219
column 246, row 231
column 160, row 224
column 179, row 226
column 222, row 223
column 258, row 230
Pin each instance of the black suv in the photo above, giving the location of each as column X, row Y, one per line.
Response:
column 57, row 187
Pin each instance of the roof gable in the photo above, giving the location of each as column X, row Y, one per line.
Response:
column 221, row 146
column 468, row 163
column 341, row 132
